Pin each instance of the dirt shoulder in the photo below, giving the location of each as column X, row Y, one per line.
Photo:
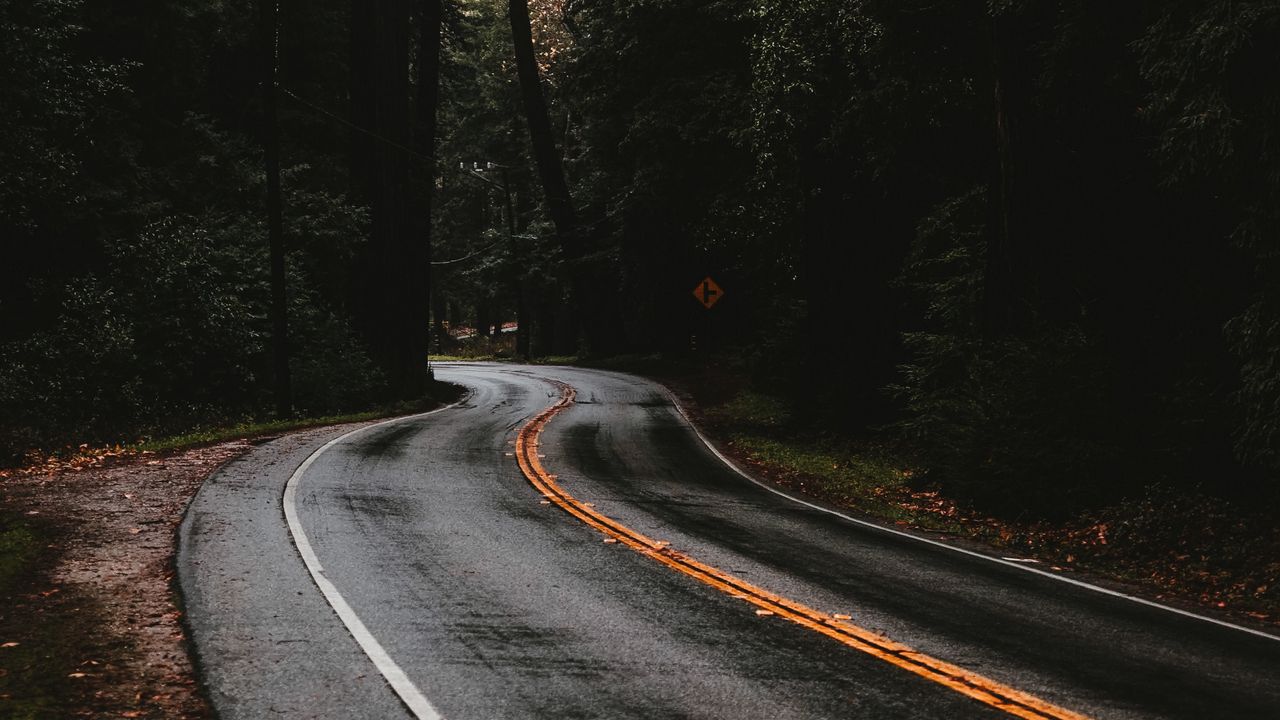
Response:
column 90, row 616
column 91, row 625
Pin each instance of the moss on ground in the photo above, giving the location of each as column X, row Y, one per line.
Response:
column 38, row 659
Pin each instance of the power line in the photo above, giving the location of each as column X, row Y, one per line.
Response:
column 464, row 258
column 353, row 126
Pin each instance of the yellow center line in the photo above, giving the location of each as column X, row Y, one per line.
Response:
column 978, row 687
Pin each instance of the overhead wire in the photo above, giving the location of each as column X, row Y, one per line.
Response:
column 466, row 257
column 343, row 121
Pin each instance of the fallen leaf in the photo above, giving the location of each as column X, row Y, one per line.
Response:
column 134, row 531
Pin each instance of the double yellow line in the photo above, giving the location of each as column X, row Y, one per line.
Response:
column 982, row 689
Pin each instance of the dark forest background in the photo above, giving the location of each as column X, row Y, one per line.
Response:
column 1038, row 241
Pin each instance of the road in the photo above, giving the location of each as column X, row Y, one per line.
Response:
column 562, row 544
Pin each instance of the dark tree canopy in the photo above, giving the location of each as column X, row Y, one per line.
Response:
column 1035, row 241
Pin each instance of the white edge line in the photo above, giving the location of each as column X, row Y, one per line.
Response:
column 409, row 693
column 999, row 561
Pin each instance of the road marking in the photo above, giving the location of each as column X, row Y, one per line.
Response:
column 978, row 687
column 409, row 693
column 1021, row 564
column 1007, row 562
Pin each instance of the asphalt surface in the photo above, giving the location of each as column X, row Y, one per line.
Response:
column 495, row 605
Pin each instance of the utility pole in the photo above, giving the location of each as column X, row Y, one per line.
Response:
column 517, row 269
column 430, row 23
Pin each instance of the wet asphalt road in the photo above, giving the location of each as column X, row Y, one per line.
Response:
column 497, row 606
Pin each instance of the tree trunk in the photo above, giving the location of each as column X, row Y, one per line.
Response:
column 400, row 252
column 550, row 168
column 361, row 99
column 392, row 300
column 267, row 12
column 1000, row 292
column 517, row 270
column 484, row 321
column 438, row 312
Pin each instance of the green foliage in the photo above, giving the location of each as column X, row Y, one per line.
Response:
column 131, row 194
column 660, row 95
column 1255, row 335
column 161, row 338
column 52, row 99
column 1203, row 60
column 759, row 412
column 332, row 371
column 172, row 334
column 1019, row 424
column 1218, row 129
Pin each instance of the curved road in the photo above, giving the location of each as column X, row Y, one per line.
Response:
column 411, row 569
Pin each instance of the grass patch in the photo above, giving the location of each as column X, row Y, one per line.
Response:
column 750, row 410
column 439, row 394
column 856, row 474
column 207, row 436
column 477, row 348
column 557, row 360
column 866, row 479
column 463, row 358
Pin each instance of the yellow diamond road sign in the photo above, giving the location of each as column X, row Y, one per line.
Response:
column 708, row 293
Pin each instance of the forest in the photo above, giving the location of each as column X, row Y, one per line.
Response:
column 1037, row 243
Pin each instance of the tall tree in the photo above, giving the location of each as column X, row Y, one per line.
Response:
column 392, row 303
column 550, row 166
column 267, row 14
